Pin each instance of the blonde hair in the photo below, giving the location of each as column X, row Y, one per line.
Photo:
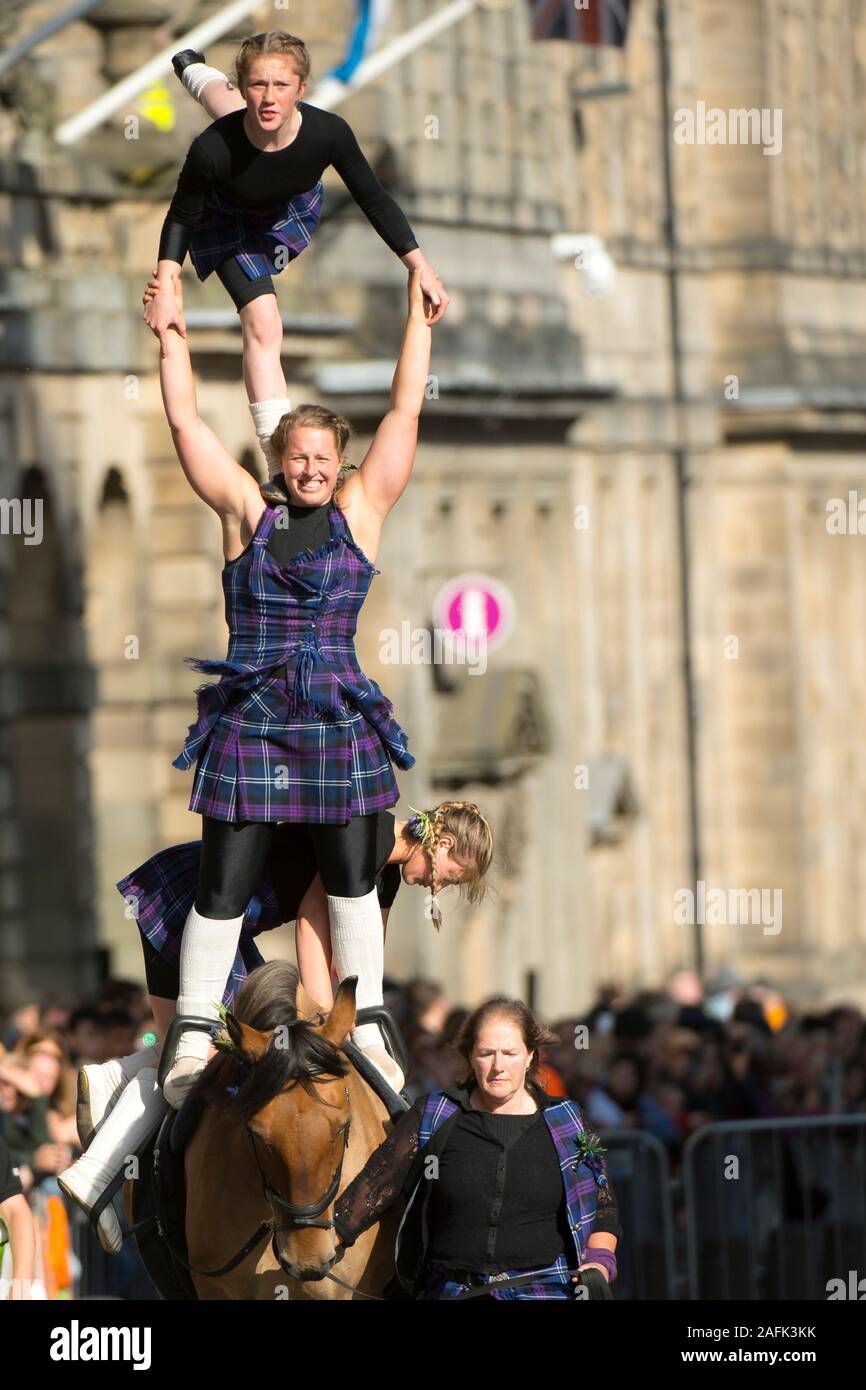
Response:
column 51, row 1043
column 473, row 843
column 315, row 417
column 273, row 42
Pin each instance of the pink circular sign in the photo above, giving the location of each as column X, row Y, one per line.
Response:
column 477, row 606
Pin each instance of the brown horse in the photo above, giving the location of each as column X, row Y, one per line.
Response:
column 287, row 1125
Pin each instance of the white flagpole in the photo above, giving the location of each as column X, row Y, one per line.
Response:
column 328, row 93
column 116, row 97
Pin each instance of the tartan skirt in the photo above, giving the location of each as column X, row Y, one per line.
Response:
column 553, row 1281
column 161, row 891
column 262, row 242
column 259, row 765
column 293, row 730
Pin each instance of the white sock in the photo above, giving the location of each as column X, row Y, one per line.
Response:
column 120, row 1070
column 196, row 77
column 133, row 1064
column 266, row 416
column 134, row 1117
column 358, row 948
column 207, row 953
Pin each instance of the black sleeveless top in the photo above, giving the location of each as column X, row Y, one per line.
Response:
column 297, row 527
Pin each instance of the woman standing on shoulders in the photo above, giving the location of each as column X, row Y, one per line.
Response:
column 249, row 199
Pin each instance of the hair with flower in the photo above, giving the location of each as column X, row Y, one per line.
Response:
column 473, row 844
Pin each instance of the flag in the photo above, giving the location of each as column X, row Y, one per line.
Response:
column 370, row 20
column 582, row 21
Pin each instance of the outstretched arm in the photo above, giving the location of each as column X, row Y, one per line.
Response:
column 387, row 465
column 313, row 943
column 164, row 308
column 385, row 214
column 210, row 469
column 380, row 1183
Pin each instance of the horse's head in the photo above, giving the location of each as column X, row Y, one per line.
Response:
column 294, row 1099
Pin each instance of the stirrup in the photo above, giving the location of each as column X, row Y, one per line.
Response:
column 389, row 1028
column 105, row 1198
column 176, row 1029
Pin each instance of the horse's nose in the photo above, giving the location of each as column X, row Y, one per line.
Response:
column 303, row 1272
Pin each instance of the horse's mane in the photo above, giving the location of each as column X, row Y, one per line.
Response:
column 266, row 1001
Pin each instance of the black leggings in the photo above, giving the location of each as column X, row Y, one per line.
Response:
column 163, row 976
column 240, row 287
column 233, row 858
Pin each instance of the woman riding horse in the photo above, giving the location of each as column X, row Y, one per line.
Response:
column 118, row 1101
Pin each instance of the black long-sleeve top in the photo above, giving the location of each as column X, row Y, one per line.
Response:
column 222, row 158
column 497, row 1201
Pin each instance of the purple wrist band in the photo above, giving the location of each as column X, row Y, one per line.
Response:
column 597, row 1255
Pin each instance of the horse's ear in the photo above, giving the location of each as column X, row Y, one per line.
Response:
column 341, row 1020
column 248, row 1042
column 305, row 1004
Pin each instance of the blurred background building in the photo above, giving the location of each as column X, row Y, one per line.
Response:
column 646, row 392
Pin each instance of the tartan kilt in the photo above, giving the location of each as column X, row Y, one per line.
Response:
column 262, row 242
column 321, row 771
column 553, row 1281
column 160, row 893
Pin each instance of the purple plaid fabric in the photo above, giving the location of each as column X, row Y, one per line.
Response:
column 293, row 730
column 262, row 243
column 160, row 893
column 580, row 1180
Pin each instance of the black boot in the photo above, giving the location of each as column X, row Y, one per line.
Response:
column 182, row 60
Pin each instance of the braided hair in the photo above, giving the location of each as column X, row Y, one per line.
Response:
column 473, row 845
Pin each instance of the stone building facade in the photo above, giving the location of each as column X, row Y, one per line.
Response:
column 548, row 462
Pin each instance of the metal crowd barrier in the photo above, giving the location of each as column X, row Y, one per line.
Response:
column 640, row 1175
column 776, row 1209
column 773, row 1209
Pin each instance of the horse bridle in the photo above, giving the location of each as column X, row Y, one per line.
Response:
column 305, row 1214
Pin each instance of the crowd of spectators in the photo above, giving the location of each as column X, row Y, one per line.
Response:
column 671, row 1060
column 665, row 1061
column 43, row 1042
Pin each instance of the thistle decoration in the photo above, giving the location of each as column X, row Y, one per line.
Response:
column 589, row 1151
column 421, row 824
column 221, row 1040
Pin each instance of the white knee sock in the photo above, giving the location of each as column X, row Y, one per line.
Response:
column 358, row 948
column 134, row 1117
column 119, row 1070
column 207, row 953
column 196, row 77
column 266, row 416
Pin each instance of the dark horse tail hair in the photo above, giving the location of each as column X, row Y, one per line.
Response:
column 297, row 1055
